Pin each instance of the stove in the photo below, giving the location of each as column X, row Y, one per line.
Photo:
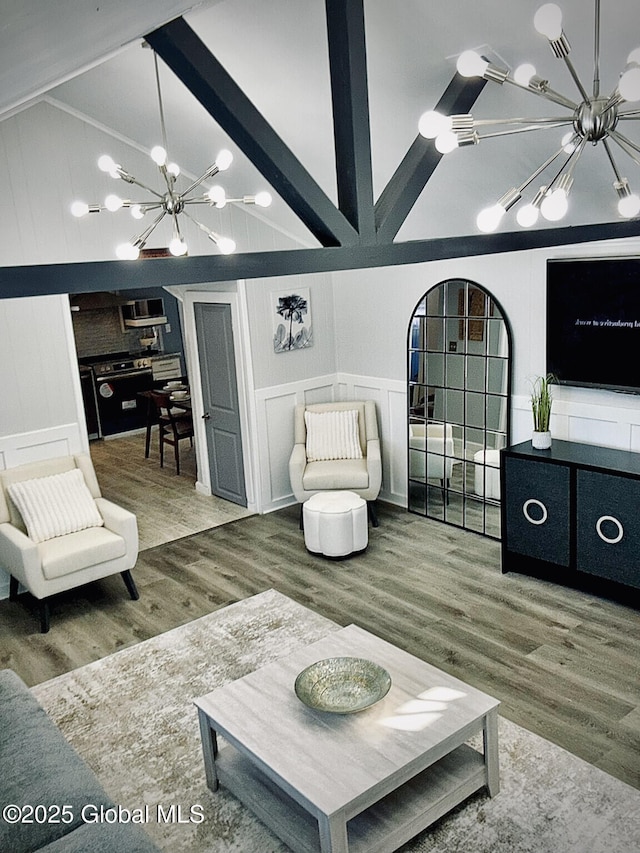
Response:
column 120, row 378
column 118, row 362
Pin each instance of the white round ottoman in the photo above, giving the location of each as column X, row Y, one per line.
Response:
column 487, row 473
column 335, row 524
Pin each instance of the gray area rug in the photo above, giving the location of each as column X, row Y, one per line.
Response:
column 132, row 718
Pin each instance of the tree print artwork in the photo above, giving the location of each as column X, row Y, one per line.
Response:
column 293, row 321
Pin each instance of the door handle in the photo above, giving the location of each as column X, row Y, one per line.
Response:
column 206, row 416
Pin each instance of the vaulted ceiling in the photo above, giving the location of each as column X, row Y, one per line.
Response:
column 89, row 58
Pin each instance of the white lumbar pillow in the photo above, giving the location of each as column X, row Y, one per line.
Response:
column 332, row 435
column 56, row 505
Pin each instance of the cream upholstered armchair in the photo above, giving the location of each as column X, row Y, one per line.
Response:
column 337, row 446
column 57, row 532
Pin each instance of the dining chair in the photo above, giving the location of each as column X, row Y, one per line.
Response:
column 174, row 425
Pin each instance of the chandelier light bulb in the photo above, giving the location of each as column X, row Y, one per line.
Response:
column 177, row 247
column 634, row 56
column 548, row 21
column 489, row 218
column 79, row 208
column 106, row 163
column 173, row 169
column 113, row 203
column 224, row 160
column 137, row 212
column 629, row 206
column 629, row 85
column 471, row 64
column 263, row 199
column 570, row 142
column 524, row 73
column 217, row 196
column 433, row 123
column 527, row 215
column 226, row 245
column 446, row 142
column 127, row 252
column 158, row 155
column 555, row 205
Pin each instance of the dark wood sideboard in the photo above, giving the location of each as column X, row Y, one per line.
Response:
column 571, row 514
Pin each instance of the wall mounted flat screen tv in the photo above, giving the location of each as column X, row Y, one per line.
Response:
column 593, row 322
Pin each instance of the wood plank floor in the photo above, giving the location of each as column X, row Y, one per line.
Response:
column 166, row 504
column 565, row 664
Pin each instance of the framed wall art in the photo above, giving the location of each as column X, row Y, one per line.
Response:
column 291, row 320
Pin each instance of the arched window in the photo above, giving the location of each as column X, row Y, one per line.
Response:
column 459, row 386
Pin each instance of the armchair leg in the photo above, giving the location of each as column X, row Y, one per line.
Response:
column 373, row 516
column 130, row 585
column 13, row 588
column 45, row 616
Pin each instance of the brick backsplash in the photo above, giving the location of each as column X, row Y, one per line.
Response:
column 99, row 331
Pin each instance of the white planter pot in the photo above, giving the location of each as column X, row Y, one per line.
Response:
column 540, row 440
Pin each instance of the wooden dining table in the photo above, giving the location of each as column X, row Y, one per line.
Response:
column 152, row 415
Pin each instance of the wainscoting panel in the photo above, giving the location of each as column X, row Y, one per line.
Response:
column 42, row 444
column 31, row 447
column 274, row 416
column 593, row 417
column 391, row 402
column 278, row 415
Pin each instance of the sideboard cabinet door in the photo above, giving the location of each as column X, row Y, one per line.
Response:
column 538, row 509
column 608, row 526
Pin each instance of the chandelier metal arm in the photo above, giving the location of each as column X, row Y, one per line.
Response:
column 542, row 90
column 211, row 171
column 215, row 238
column 576, row 79
column 481, row 122
column 525, row 129
column 539, row 170
column 626, row 144
column 616, row 171
column 131, row 180
column 144, row 236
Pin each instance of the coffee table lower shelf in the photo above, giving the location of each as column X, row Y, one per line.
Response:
column 383, row 827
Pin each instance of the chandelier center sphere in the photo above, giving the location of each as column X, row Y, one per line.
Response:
column 172, row 203
column 595, row 118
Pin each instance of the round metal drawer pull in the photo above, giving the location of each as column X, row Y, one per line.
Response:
column 604, row 538
column 525, row 510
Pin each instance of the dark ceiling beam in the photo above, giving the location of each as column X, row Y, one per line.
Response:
column 201, row 269
column 411, row 176
column 192, row 62
column 350, row 98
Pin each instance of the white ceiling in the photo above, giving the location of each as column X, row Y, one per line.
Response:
column 276, row 51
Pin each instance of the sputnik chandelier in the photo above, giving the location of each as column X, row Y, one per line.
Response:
column 594, row 118
column 170, row 202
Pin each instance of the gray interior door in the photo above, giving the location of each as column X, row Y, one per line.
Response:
column 220, row 399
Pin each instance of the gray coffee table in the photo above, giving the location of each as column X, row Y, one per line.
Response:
column 363, row 782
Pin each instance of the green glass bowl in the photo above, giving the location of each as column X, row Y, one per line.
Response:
column 342, row 685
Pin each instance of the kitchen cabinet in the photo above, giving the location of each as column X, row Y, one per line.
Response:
column 166, row 366
column 571, row 514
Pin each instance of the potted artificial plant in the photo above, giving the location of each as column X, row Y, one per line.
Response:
column 541, row 401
